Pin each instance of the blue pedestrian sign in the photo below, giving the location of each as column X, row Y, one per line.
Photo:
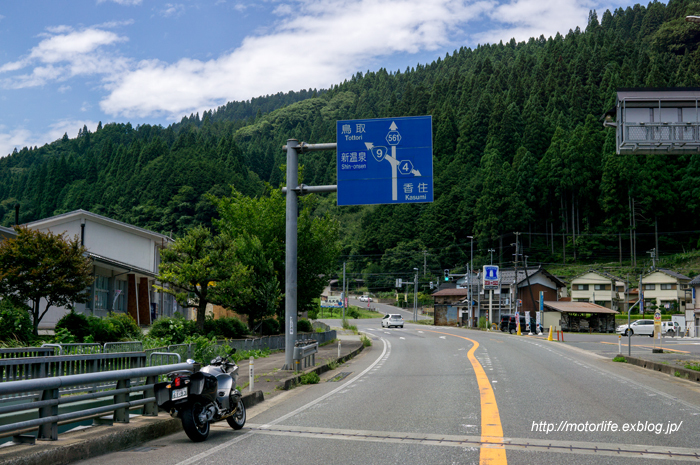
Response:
column 385, row 161
column 491, row 277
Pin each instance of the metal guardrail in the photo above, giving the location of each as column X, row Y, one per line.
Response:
column 49, row 390
column 163, row 358
column 305, row 353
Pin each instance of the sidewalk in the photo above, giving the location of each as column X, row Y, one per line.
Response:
column 86, row 442
column 672, row 363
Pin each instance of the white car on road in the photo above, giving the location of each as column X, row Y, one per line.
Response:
column 392, row 319
column 365, row 298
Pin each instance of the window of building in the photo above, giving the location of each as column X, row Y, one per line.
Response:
column 667, row 287
column 120, row 288
column 649, row 287
column 600, row 287
column 582, row 287
column 101, row 292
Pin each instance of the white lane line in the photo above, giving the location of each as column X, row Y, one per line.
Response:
column 402, row 337
column 443, row 337
column 213, row 450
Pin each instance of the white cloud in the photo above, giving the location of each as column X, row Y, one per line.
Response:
column 532, row 18
column 173, row 9
column 64, row 89
column 122, row 2
column 21, row 137
column 325, row 41
column 65, row 53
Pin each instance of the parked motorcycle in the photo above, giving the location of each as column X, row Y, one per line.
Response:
column 201, row 398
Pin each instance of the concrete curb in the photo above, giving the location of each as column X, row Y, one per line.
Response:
column 294, row 380
column 684, row 373
column 100, row 440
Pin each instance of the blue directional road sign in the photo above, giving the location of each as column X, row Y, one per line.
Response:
column 385, row 160
column 491, row 277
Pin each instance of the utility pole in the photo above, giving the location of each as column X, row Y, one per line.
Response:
column 425, row 262
column 470, row 269
column 491, row 251
column 517, row 234
column 652, row 252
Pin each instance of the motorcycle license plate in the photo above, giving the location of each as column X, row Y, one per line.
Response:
column 179, row 393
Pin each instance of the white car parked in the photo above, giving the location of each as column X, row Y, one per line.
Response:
column 670, row 328
column 639, row 327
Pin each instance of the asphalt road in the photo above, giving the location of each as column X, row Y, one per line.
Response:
column 433, row 395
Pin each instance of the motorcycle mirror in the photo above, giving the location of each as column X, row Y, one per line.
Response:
column 232, row 350
column 190, row 361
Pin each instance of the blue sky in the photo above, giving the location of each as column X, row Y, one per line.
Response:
column 65, row 64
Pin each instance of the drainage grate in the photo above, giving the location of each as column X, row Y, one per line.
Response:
column 339, row 377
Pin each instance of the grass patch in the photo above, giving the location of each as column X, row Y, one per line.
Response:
column 332, row 364
column 366, row 341
column 351, row 312
column 328, row 342
column 620, row 358
column 693, row 366
column 310, row 378
column 423, row 322
column 349, row 327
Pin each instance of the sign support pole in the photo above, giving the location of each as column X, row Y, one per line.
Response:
column 292, row 191
column 290, row 271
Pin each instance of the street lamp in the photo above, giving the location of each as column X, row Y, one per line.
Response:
column 693, row 19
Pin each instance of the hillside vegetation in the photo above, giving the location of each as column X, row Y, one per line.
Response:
column 518, row 147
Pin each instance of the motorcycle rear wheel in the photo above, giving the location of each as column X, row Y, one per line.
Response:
column 195, row 431
column 237, row 420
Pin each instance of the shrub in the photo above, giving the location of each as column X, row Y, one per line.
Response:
column 310, row 378
column 620, row 358
column 304, row 326
column 353, row 313
column 269, row 326
column 125, row 326
column 313, row 314
column 366, row 341
column 15, row 322
column 75, row 324
column 230, row 328
column 174, row 330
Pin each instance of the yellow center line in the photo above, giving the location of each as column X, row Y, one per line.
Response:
column 491, row 430
column 648, row 347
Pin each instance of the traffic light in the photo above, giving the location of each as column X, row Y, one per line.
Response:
column 447, row 275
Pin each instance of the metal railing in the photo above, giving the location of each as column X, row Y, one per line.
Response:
column 130, row 346
column 660, row 136
column 20, row 352
column 48, row 392
column 34, row 368
column 305, row 351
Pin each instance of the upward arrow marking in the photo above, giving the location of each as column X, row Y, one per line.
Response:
column 393, row 126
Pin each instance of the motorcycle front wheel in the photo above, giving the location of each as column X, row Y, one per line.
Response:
column 195, row 430
column 237, row 420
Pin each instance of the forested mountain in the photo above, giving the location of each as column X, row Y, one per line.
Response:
column 518, row 146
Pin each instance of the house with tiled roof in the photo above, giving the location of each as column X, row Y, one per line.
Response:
column 598, row 287
column 667, row 288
